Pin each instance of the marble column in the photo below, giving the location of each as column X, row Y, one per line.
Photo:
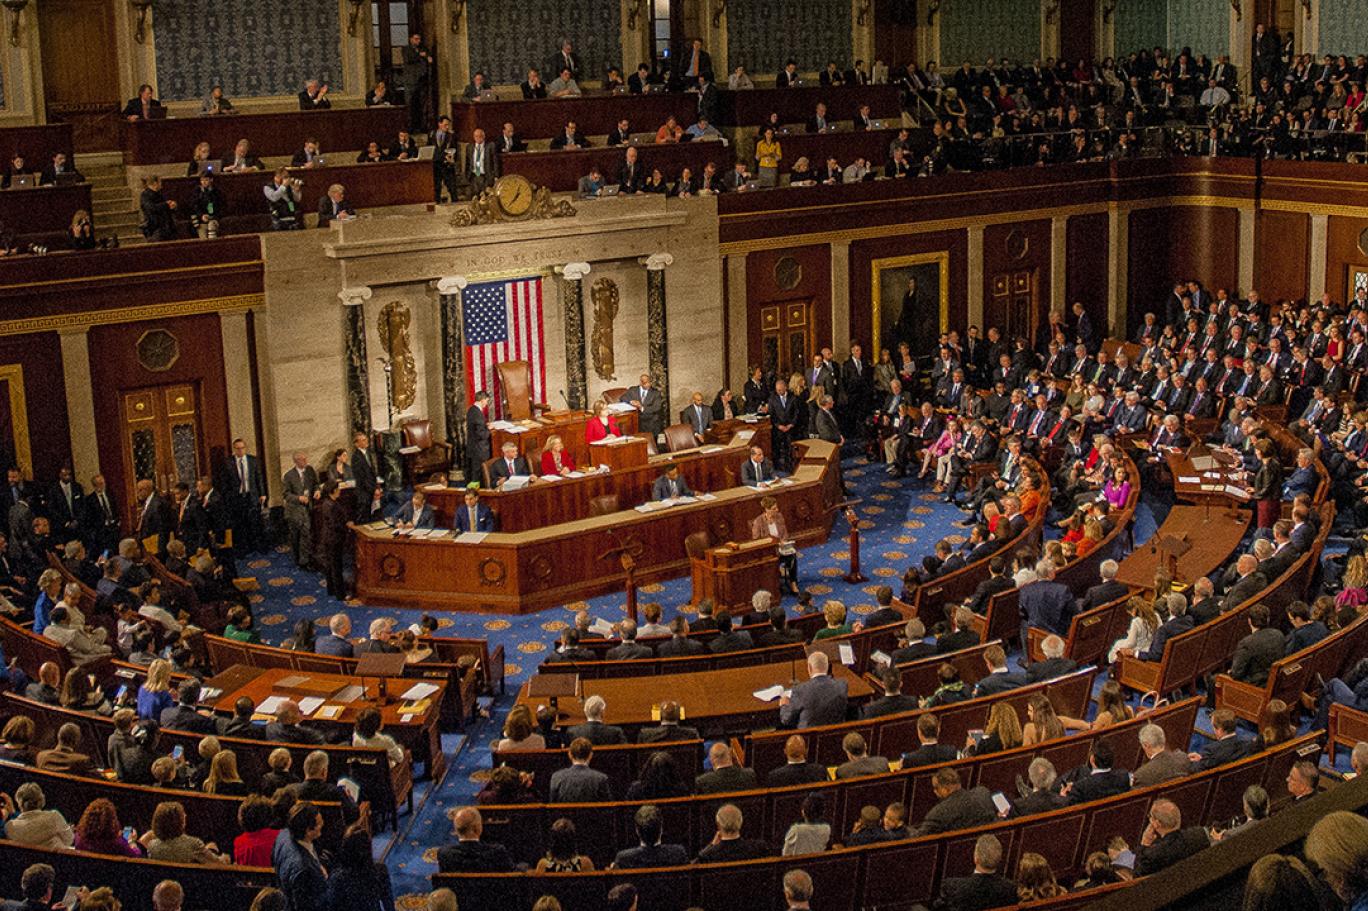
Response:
column 453, row 363
column 1118, row 268
column 974, row 308
column 576, row 377
column 241, row 411
column 657, row 326
column 80, row 397
column 737, row 316
column 1246, row 254
column 1059, row 272
column 1315, row 267
column 840, row 294
column 354, row 344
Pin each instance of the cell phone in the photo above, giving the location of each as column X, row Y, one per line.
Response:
column 1001, row 802
column 977, row 734
column 105, row 556
column 178, row 753
column 121, row 692
column 128, row 834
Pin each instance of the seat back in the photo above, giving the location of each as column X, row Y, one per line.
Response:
column 515, row 382
column 696, row 544
column 487, row 469
column 679, row 437
column 614, row 395
column 604, row 505
column 417, row 432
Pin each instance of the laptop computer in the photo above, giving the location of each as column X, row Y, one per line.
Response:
column 425, row 153
column 69, row 178
column 23, row 181
column 212, row 166
column 610, row 190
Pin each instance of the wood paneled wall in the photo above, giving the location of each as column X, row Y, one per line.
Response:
column 864, row 252
column 1342, row 251
column 1180, row 242
column 40, row 357
column 1282, row 255
column 764, row 289
column 1085, row 274
column 1009, row 250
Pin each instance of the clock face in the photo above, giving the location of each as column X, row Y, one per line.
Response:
column 514, row 193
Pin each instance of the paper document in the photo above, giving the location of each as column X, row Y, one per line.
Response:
column 550, row 477
column 707, row 497
column 350, row 693
column 270, row 705
column 328, row 712
column 438, row 487
column 882, row 659
column 620, row 408
column 516, row 482
column 310, row 704
column 745, row 435
column 1182, row 479
column 409, row 450
column 471, row 537
column 575, row 474
column 419, row 691
column 601, row 626
column 291, row 681
column 1238, row 492
column 847, row 653
column 769, row 693
column 502, row 425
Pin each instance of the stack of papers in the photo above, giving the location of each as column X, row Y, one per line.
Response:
column 270, row 705
column 847, row 654
column 328, row 712
column 471, row 537
column 310, row 704
column 601, row 626
column 419, row 691
column 620, row 408
column 771, row 693
column 550, row 477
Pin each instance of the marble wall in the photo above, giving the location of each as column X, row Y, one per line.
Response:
column 301, row 335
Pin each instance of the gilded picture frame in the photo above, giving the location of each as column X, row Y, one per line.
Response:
column 888, row 288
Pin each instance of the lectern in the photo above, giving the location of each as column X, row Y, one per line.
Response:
column 731, row 573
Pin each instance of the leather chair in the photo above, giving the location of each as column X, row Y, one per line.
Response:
column 696, row 544
column 433, row 455
column 604, row 505
column 614, row 395
column 679, row 437
column 515, row 382
column 487, row 470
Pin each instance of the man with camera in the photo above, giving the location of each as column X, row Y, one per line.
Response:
column 208, row 207
column 284, row 196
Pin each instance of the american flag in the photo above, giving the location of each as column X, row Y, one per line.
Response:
column 503, row 322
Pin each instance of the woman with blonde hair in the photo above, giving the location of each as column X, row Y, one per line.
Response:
column 49, row 593
column 1092, row 536
column 1140, row 634
column 555, row 460
column 154, row 695
column 1338, row 844
column 601, row 425
column 835, row 614
column 1035, row 880
column 1355, row 583
column 198, row 160
column 1002, row 732
column 223, row 776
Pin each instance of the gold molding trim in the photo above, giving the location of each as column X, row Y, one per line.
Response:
column 90, row 318
column 1313, row 208
column 941, row 259
column 216, row 268
column 13, row 376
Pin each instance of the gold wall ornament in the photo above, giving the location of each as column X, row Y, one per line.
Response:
column 392, row 326
column 488, row 208
column 606, row 299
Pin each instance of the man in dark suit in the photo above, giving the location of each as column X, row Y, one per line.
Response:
column 473, row 515
column 1228, row 745
column 366, row 474
column 998, row 679
column 566, row 59
column 708, row 99
column 469, row 854
column 631, row 175
column 1105, row 592
column 985, row 887
column 477, row 436
column 671, row 485
column 693, row 63
column 998, row 581
column 914, row 645
column 783, row 411
column 779, row 632
column 144, row 106
column 796, row 769
column 727, row 639
column 314, row 97
column 100, row 520
column 650, row 852
column 979, row 446
column 1054, row 665
column 1179, row 622
column 593, row 729
column 1305, row 631
column 963, row 635
column 245, row 484
column 1042, row 797
column 480, row 163
column 183, row 716
column 416, row 513
column 444, row 149
column 856, row 385
column 629, row 649
column 154, row 515
column 757, row 469
column 726, row 775
column 336, row 641
column 957, row 808
column 669, row 729
column 579, row 783
column 509, row 141
column 728, row 844
column 788, row 76
column 1100, row 779
column 509, row 464
column 930, row 751
column 679, row 644
column 192, row 522
column 821, row 699
column 334, row 206
column 1161, row 763
column 858, row 761
column 1256, row 653
column 65, row 503
column 1165, row 842
column 1045, row 604
column 698, row 415
column 570, row 138
column 892, row 701
column 646, row 399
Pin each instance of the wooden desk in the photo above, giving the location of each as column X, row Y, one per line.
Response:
column 594, row 115
column 1211, row 484
column 631, row 453
column 723, row 431
column 544, row 503
column 36, row 143
column 752, row 107
column 568, row 425
column 561, row 170
column 42, row 215
column 1213, row 531
column 369, row 186
column 715, row 702
column 418, row 731
column 528, row 571
column 149, row 142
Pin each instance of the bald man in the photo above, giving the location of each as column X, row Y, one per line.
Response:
column 469, row 854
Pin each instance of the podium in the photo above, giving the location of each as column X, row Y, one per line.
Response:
column 731, row 573
column 631, row 452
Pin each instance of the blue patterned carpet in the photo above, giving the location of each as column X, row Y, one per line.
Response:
column 901, row 521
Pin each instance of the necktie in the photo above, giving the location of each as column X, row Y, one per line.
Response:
column 104, row 506
column 66, row 488
column 479, row 161
column 510, row 468
column 242, row 472
column 473, row 519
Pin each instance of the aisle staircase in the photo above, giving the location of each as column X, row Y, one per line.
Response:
column 115, row 205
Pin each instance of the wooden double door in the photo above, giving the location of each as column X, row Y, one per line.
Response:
column 163, row 437
column 786, row 337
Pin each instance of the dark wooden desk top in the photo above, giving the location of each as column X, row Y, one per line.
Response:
column 752, row 107
column 1213, row 531
column 259, row 684
column 708, row 697
column 561, row 169
column 149, row 142
column 43, row 214
column 594, row 115
column 1210, row 484
column 36, row 143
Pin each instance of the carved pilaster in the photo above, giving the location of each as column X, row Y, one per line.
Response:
column 576, row 376
column 657, row 330
column 453, row 363
column 354, row 344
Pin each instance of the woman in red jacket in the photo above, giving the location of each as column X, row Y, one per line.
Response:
column 601, row 425
column 555, row 460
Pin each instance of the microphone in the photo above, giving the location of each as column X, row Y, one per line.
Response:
column 564, row 399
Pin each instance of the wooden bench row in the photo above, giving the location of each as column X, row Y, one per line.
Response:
column 605, row 828
column 898, row 874
column 1296, row 673
column 1191, row 656
column 893, row 735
